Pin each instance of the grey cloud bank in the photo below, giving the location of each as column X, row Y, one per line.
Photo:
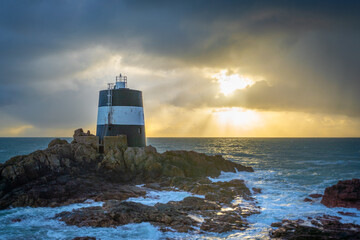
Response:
column 306, row 52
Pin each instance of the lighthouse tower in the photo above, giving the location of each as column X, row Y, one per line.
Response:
column 121, row 112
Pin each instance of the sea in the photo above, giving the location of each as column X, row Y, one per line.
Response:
column 286, row 169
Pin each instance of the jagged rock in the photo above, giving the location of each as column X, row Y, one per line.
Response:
column 64, row 190
column 80, row 132
column 315, row 195
column 150, row 149
column 182, row 216
column 114, row 159
column 224, row 223
column 343, row 194
column 257, row 190
column 325, row 227
column 84, row 238
column 347, row 213
column 115, row 213
column 224, row 192
column 173, row 171
column 57, row 141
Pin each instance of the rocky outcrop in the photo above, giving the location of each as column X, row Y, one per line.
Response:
column 343, row 194
column 115, row 213
column 80, row 132
column 206, row 213
column 221, row 192
column 57, row 141
column 324, row 227
column 315, row 195
column 63, row 190
column 71, row 172
column 146, row 165
column 182, row 216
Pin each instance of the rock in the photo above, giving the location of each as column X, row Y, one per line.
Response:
column 115, row 213
column 16, row 220
column 198, row 165
column 150, row 149
column 146, row 165
column 347, row 213
column 325, row 227
column 307, row 200
column 224, row 223
column 85, row 154
column 64, row 190
column 343, row 194
column 57, row 141
column 114, row 160
column 182, row 216
column 315, row 195
column 224, row 192
column 276, row 224
column 129, row 156
column 191, row 204
column 257, row 190
column 173, row 171
column 80, row 132
column 84, row 238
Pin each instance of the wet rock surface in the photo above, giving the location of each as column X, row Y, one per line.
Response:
column 190, row 214
column 321, row 227
column 215, row 214
column 315, row 195
column 343, row 194
column 347, row 213
column 84, row 238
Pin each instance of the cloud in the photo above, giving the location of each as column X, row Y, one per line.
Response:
column 55, row 56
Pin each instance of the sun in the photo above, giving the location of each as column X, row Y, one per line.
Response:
column 229, row 83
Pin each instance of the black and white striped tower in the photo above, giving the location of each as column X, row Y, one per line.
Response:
column 121, row 112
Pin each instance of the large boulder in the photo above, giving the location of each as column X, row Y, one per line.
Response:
column 80, row 132
column 57, row 141
column 343, row 194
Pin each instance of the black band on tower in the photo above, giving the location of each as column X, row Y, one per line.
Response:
column 121, row 97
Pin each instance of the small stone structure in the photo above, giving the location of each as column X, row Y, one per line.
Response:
column 114, row 141
column 92, row 140
column 109, row 141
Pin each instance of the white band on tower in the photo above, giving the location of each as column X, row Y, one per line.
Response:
column 121, row 115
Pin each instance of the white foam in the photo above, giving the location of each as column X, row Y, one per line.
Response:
column 37, row 222
column 196, row 218
column 280, row 200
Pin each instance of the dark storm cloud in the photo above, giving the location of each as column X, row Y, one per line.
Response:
column 308, row 51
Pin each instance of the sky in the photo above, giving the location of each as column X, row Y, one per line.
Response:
column 206, row 68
